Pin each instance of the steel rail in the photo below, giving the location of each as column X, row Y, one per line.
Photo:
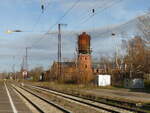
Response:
column 90, row 104
column 41, row 98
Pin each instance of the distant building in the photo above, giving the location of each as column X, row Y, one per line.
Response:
column 79, row 71
column 97, row 68
column 134, row 83
column 103, row 80
column 68, row 69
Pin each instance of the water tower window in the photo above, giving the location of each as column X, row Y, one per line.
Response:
column 85, row 66
column 97, row 70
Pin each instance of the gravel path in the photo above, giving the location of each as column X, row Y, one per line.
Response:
column 122, row 94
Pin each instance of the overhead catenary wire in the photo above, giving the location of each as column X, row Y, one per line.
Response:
column 95, row 11
column 83, row 16
column 57, row 22
column 99, row 11
column 34, row 26
column 37, row 22
column 75, row 3
column 67, row 12
column 44, row 7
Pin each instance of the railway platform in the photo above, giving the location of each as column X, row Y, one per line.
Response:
column 10, row 102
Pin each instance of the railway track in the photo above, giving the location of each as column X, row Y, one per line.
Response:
column 41, row 104
column 89, row 103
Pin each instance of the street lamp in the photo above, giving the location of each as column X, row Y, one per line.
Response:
column 11, row 31
column 18, row 31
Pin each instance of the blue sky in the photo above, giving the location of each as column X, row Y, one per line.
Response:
column 26, row 15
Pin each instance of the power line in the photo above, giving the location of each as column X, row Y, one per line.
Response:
column 43, row 7
column 89, row 11
column 67, row 12
column 91, row 16
column 106, row 6
column 37, row 22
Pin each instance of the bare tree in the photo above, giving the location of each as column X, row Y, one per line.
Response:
column 36, row 72
column 137, row 58
column 144, row 27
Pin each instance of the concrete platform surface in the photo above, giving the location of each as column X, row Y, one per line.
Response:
column 10, row 102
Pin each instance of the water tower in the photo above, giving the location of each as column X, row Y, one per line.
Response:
column 84, row 55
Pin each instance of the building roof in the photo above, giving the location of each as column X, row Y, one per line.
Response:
column 67, row 64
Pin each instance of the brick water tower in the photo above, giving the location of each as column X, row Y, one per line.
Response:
column 84, row 57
